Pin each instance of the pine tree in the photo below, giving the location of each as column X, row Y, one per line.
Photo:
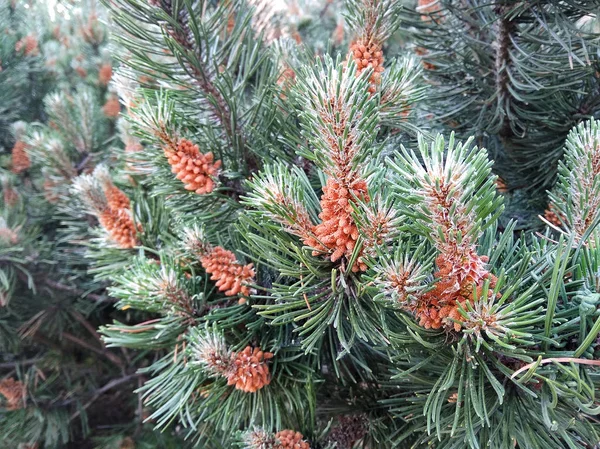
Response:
column 303, row 257
column 515, row 75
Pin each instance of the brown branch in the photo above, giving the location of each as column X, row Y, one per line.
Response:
column 558, row 360
column 101, row 351
column 77, row 291
column 20, row 362
column 113, row 383
column 220, row 108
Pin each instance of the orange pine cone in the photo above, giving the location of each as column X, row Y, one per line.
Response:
column 288, row 439
column 29, row 44
column 368, row 54
column 13, row 391
column 195, row 169
column 10, row 196
column 119, row 225
column 231, row 276
column 338, row 232
column 250, row 372
column 116, row 198
column 20, row 158
column 112, row 107
column 439, row 307
column 105, row 74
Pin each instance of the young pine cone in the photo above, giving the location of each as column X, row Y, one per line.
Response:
column 13, row 392
column 231, row 276
column 288, row 439
column 119, row 225
column 250, row 372
column 368, row 54
column 20, row 159
column 195, row 169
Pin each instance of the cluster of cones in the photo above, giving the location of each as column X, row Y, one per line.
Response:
column 14, row 392
column 368, row 54
column 337, row 234
column 195, row 169
column 288, row 439
column 285, row 439
column 232, row 277
column 116, row 217
column 249, row 371
column 20, row 158
column 439, row 307
column 246, row 370
column 29, row 45
column 112, row 107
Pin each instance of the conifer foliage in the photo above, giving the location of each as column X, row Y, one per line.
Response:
column 303, row 261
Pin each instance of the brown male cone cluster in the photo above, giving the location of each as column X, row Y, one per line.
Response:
column 457, row 281
column 195, row 169
column 288, row 439
column 368, row 54
column 231, row 276
column 20, row 159
column 116, row 217
column 104, row 73
column 249, row 371
column 13, row 392
column 338, row 232
column 112, row 107
column 29, row 45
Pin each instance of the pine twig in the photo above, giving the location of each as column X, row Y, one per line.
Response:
column 113, row 383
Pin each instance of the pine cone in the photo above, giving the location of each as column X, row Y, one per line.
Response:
column 348, row 430
column 288, row 439
column 551, row 215
column 196, row 170
column 119, row 225
column 112, row 107
column 338, row 232
column 29, row 44
column 20, row 158
column 368, row 54
column 250, row 371
column 227, row 271
column 13, row 391
column 116, row 198
column 104, row 74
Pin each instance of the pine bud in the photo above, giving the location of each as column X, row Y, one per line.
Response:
column 288, row 439
column 20, row 158
column 195, row 169
column 338, row 232
column 29, row 46
column 250, row 372
column 112, row 107
column 14, row 392
column 231, row 276
column 105, row 74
